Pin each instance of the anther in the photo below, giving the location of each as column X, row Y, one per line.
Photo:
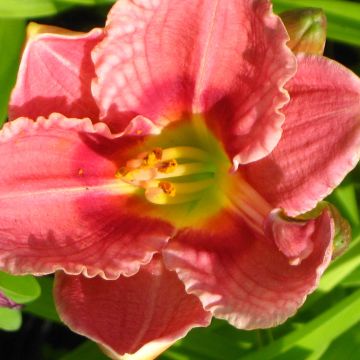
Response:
column 121, row 172
column 167, row 167
column 158, row 153
column 149, row 171
column 153, row 157
column 167, row 187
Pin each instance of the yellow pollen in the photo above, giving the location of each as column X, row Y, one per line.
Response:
column 81, row 172
column 153, row 157
column 150, row 160
column 168, row 166
column 168, row 188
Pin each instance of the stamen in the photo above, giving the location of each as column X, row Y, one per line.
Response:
column 137, row 176
column 191, row 187
column 134, row 163
column 167, row 167
column 158, row 197
column 185, row 152
column 121, row 172
column 153, row 157
column 168, row 188
column 148, row 170
column 186, row 169
column 167, row 193
column 158, row 152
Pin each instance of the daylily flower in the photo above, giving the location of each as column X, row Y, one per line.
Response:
column 165, row 170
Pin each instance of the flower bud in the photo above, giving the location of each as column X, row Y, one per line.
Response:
column 306, row 29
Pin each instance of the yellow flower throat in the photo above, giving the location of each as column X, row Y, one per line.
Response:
column 181, row 174
column 172, row 175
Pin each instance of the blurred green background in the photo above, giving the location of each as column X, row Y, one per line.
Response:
column 327, row 327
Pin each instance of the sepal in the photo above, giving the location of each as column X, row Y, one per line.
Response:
column 307, row 30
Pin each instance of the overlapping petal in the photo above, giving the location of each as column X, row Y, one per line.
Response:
column 141, row 315
column 63, row 208
column 165, row 60
column 321, row 138
column 55, row 75
column 242, row 276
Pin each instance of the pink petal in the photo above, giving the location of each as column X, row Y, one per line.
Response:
column 63, row 208
column 225, row 59
column 241, row 276
column 55, row 75
column 293, row 238
column 321, row 139
column 141, row 315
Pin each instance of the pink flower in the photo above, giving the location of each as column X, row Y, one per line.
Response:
column 153, row 234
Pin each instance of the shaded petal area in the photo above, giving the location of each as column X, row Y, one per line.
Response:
column 242, row 276
column 321, row 138
column 168, row 59
column 63, row 208
column 141, row 315
column 55, row 76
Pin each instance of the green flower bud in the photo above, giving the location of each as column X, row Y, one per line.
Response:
column 307, row 30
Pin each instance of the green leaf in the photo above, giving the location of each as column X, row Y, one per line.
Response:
column 338, row 271
column 218, row 341
column 44, row 305
column 353, row 280
column 21, row 289
column 343, row 17
column 343, row 266
column 313, row 338
column 41, row 8
column 12, row 34
column 87, row 2
column 31, row 8
column 344, row 197
column 173, row 355
column 346, row 9
column 10, row 319
column 87, row 350
column 345, row 347
column 207, row 344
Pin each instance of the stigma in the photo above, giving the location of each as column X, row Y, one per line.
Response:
column 174, row 175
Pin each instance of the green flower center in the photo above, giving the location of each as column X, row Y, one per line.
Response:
column 183, row 172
